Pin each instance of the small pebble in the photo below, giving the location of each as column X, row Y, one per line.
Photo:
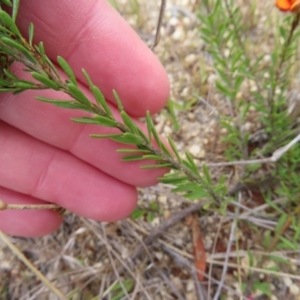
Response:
column 178, row 34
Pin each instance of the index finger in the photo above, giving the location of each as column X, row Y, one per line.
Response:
column 92, row 35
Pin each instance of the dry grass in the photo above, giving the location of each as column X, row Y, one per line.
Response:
column 85, row 259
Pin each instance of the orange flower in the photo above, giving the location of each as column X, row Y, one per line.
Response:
column 288, row 5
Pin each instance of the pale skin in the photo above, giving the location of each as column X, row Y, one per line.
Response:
column 46, row 158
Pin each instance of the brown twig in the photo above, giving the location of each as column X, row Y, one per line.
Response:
column 4, row 206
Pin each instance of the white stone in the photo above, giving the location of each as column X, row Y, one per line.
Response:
column 195, row 149
column 190, row 59
column 178, row 34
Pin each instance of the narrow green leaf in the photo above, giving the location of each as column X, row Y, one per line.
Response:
column 51, row 65
column 185, row 187
column 127, row 150
column 101, row 100
column 17, row 46
column 152, row 156
column 172, row 144
column 132, row 158
column 9, row 22
column 41, row 49
column 201, row 193
column 128, row 122
column 15, row 9
column 10, row 75
column 173, row 180
column 171, row 110
column 124, row 138
column 85, row 120
column 142, row 135
column 118, row 100
column 280, row 223
column 206, row 173
column 30, row 33
column 62, row 103
column 87, row 78
column 157, row 166
column 24, row 85
column 155, row 136
column 4, row 90
column 105, row 136
column 98, row 120
column 45, row 80
column 149, row 123
column 67, row 69
column 78, row 94
column 127, row 138
column 287, row 244
column 192, row 163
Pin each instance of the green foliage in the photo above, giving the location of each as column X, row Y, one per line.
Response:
column 44, row 71
column 228, row 41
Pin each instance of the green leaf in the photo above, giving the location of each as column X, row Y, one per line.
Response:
column 78, row 94
column 17, row 46
column 51, row 65
column 127, row 150
column 106, row 136
column 192, row 164
column 10, row 75
column 206, row 174
column 142, row 135
column 101, row 100
column 173, row 180
column 127, row 138
column 71, row 104
column 201, row 193
column 30, row 33
column 132, row 158
column 152, row 156
column 157, row 166
column 67, row 69
column 124, row 138
column 9, row 22
column 149, row 123
column 172, row 144
column 138, row 213
column 24, row 85
column 15, row 9
column 281, row 223
column 4, row 90
column 45, row 80
column 41, row 50
column 171, row 110
column 87, row 78
column 128, row 122
column 118, row 100
column 98, row 120
column 189, row 186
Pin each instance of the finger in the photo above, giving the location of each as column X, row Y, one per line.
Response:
column 33, row 168
column 27, row 223
column 53, row 126
column 93, row 36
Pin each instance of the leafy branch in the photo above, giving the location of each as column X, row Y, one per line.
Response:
column 14, row 47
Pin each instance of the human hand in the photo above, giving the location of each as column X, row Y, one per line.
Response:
column 47, row 158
